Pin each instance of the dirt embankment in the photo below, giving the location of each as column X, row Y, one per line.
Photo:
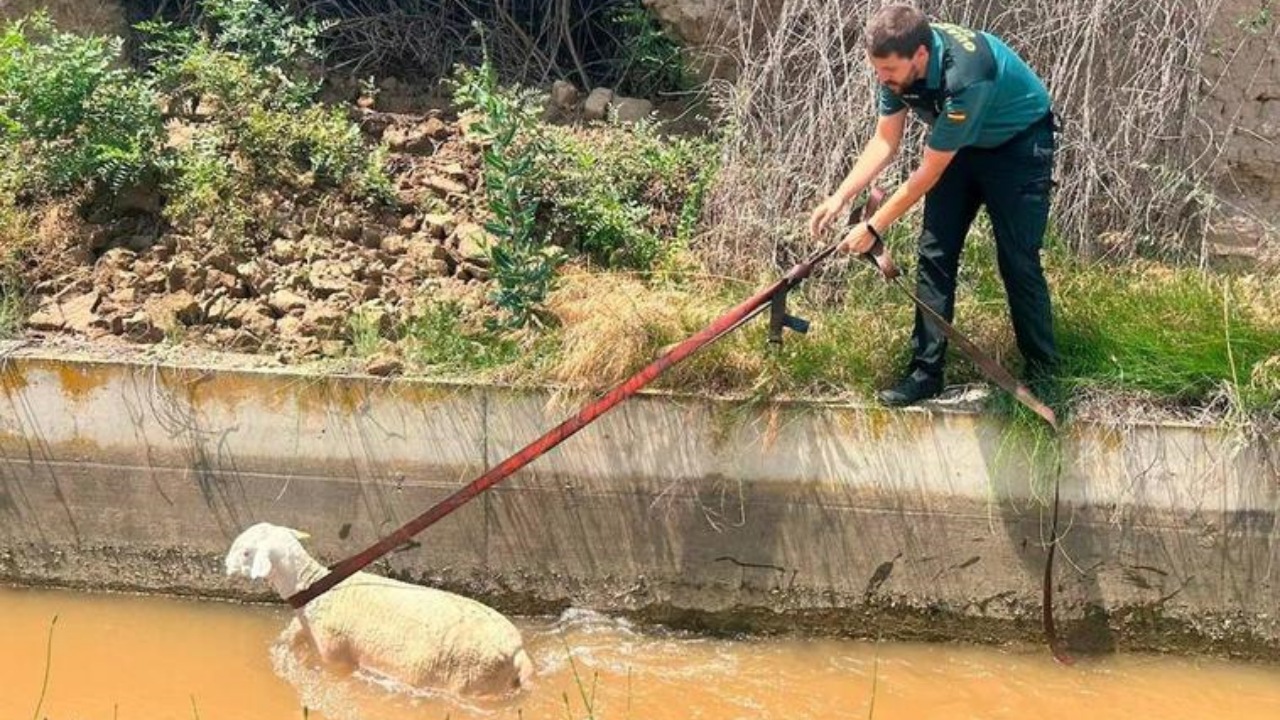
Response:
column 319, row 266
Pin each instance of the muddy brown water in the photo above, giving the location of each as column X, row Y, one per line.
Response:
column 137, row 658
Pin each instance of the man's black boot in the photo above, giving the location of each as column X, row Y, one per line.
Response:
column 917, row 386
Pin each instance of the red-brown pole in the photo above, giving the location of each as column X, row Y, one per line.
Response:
column 721, row 326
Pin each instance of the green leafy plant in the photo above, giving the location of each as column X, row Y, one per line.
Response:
column 694, row 202
column 71, row 113
column 438, row 338
column 366, row 335
column 622, row 195
column 245, row 48
column 522, row 264
column 650, row 61
column 16, row 239
column 11, row 308
column 1259, row 20
column 200, row 79
column 318, row 141
column 372, row 180
column 241, row 79
column 266, row 35
column 203, row 184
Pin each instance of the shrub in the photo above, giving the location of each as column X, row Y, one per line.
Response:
column 247, row 49
column 204, row 184
column 16, row 236
column 195, row 76
column 75, row 116
column 243, row 77
column 437, row 338
column 623, row 195
column 267, row 36
column 649, row 60
column 319, row 141
column 523, row 265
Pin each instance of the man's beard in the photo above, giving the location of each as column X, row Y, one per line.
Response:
column 912, row 78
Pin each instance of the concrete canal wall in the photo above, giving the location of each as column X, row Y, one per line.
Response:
column 692, row 512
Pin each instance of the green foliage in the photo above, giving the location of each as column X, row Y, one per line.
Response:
column 861, row 344
column 15, row 238
column 615, row 194
column 317, row 141
column 522, row 264
column 437, row 338
column 621, row 195
column 650, row 60
column 74, row 116
column 247, row 50
column 267, row 36
column 1180, row 335
column 198, row 77
column 372, row 181
column 1259, row 21
column 243, row 73
column 12, row 312
column 696, row 199
column 204, row 184
column 366, row 336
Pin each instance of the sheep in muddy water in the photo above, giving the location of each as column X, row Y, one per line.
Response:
column 420, row 636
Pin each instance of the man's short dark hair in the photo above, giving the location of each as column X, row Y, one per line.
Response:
column 896, row 30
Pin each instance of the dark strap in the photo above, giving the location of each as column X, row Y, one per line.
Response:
column 879, row 256
column 1056, row 646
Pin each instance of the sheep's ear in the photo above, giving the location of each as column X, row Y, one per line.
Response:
column 300, row 535
column 261, row 566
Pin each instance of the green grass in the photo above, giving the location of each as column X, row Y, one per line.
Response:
column 1184, row 337
column 16, row 237
column 442, row 339
column 366, row 336
column 12, row 308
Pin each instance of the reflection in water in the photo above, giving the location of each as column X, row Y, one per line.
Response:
column 138, row 658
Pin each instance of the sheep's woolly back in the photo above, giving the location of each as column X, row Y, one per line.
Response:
column 420, row 636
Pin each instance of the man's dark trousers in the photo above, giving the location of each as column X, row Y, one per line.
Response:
column 1014, row 181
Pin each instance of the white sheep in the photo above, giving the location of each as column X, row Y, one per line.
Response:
column 420, row 636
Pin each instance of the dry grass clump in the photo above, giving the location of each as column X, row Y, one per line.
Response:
column 1261, row 294
column 1265, row 376
column 612, row 324
column 50, row 237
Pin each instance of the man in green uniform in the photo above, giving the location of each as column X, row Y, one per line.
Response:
column 991, row 143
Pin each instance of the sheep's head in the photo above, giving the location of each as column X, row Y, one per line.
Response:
column 264, row 550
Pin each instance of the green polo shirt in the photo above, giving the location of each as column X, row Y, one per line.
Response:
column 977, row 92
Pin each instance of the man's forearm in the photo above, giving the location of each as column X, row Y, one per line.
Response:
column 874, row 158
column 909, row 193
column 896, row 206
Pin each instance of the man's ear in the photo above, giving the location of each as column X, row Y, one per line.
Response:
column 261, row 566
column 922, row 56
